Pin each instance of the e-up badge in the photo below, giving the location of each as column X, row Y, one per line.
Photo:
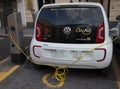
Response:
column 86, row 31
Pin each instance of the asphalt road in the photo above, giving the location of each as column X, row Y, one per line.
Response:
column 4, row 48
column 25, row 76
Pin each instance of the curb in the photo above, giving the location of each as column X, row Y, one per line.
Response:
column 7, row 35
column 4, row 35
column 27, row 35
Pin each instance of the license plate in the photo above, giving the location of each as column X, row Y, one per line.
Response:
column 65, row 54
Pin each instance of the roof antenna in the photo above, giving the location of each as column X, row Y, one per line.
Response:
column 71, row 1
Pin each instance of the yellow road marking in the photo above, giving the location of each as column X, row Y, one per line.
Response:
column 5, row 74
column 118, row 83
column 50, row 85
column 4, row 60
column 27, row 47
column 116, row 70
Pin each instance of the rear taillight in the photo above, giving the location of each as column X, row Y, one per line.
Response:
column 38, row 32
column 100, row 34
column 35, row 51
column 104, row 54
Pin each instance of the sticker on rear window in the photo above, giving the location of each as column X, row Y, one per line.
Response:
column 86, row 31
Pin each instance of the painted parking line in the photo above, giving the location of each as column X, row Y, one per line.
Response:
column 4, row 60
column 5, row 74
column 116, row 71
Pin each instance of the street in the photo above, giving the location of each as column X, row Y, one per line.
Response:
column 25, row 76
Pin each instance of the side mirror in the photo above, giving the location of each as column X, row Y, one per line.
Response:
column 114, row 32
column 118, row 17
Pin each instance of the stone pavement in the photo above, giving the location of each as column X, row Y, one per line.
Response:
column 27, row 32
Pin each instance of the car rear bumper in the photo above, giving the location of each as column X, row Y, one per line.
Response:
column 68, row 64
column 96, row 59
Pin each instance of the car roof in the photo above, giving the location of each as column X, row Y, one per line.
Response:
column 92, row 4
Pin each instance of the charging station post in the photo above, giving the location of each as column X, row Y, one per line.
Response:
column 16, row 31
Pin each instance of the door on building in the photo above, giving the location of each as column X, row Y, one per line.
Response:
column 7, row 7
column 49, row 1
column 40, row 3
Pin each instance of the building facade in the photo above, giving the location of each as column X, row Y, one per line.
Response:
column 6, row 7
column 28, row 7
column 114, row 9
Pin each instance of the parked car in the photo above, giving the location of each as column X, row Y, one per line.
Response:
column 66, row 31
column 118, row 27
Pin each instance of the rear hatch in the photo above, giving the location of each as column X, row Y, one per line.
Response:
column 70, row 25
column 63, row 28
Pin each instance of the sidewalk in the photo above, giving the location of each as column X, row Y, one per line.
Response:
column 27, row 32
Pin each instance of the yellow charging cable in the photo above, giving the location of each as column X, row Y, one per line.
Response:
column 61, row 71
column 79, row 58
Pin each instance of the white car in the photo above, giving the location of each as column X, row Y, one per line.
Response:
column 74, row 35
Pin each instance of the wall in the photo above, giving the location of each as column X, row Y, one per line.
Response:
column 28, row 10
column 21, row 8
column 35, row 5
column 31, row 6
column 1, row 15
column 114, row 9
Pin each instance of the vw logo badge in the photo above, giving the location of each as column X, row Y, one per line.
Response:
column 67, row 30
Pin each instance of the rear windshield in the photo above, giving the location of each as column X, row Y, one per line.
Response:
column 70, row 24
